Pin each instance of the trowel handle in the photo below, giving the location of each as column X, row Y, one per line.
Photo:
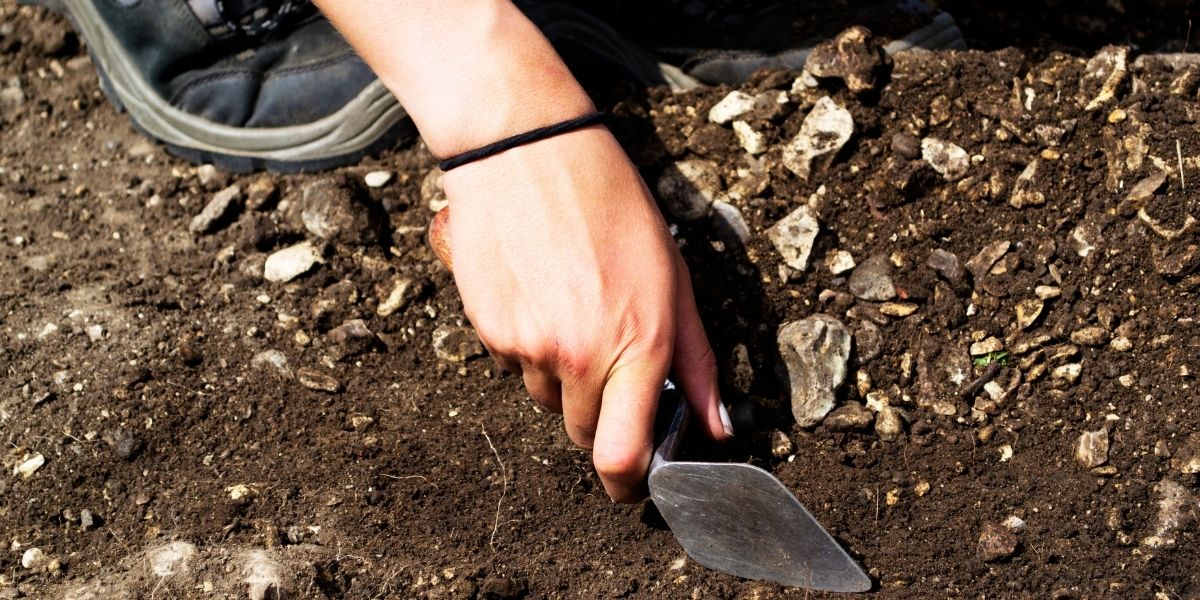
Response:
column 670, row 431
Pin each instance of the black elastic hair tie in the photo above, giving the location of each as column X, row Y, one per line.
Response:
column 520, row 139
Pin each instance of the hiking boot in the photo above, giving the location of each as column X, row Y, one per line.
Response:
column 241, row 84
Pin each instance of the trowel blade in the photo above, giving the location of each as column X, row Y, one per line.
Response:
column 741, row 520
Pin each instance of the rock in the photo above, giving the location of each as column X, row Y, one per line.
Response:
column 732, row 106
column 898, row 309
column 889, row 424
column 339, row 210
column 996, row 542
column 291, row 262
column 825, row 129
column 273, row 359
column 854, row 56
column 1172, row 260
column 868, row 341
column 241, row 494
column 1145, row 189
column 1177, row 509
column 399, row 294
column 33, row 558
column 123, row 442
column 209, row 177
column 352, row 338
column 872, row 280
column 1120, row 344
column 29, row 465
column 793, row 237
column 1103, row 75
column 262, row 193
column 688, row 188
column 1187, row 458
column 1028, row 311
column 781, row 444
column 431, row 191
column 171, row 559
column 265, row 579
column 729, row 224
column 1022, row 195
column 456, row 344
column 1014, row 524
column 1161, row 229
column 11, row 93
column 1091, row 448
column 850, row 416
column 1047, row 292
column 377, row 179
column 839, row 261
column 906, row 146
column 815, row 351
column 946, row 264
column 315, row 380
column 949, row 160
column 751, row 140
column 1069, row 372
column 222, row 206
column 981, row 263
column 1090, row 336
column 988, row 346
column 87, row 520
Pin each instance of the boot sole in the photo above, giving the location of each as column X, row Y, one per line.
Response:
column 371, row 122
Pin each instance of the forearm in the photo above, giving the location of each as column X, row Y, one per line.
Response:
column 469, row 72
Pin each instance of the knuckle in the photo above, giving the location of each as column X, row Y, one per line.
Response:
column 621, row 464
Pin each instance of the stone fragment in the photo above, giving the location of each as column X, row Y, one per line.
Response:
column 262, row 193
column 815, row 351
column 949, row 160
column 946, row 264
column 339, row 210
column 209, row 177
column 1085, row 238
column 33, row 559
column 825, row 129
column 868, row 341
column 872, row 280
column 981, row 263
column 996, row 542
column 396, row 296
column 854, row 56
column 729, row 224
column 273, row 359
column 1028, row 311
column 456, row 344
column 1120, row 344
column 1069, row 372
column 1047, row 292
column 1091, row 448
column 1103, row 75
column 732, row 106
column 431, row 191
column 889, row 424
column 1090, row 336
column 781, row 444
column 1172, row 260
column 839, row 261
column 907, row 146
column 352, row 338
column 750, row 139
column 987, row 346
column 222, row 206
column 171, row 559
column 1187, row 458
column 316, row 380
column 688, row 188
column 377, row 179
column 1023, row 195
column 1145, row 189
column 291, row 262
column 1177, row 510
column 793, row 237
column 1163, row 230
column 850, row 416
column 29, row 465
column 898, row 309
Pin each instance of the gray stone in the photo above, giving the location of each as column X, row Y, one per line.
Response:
column 1093, row 335
column 949, row 160
column 338, row 210
column 1145, row 189
column 981, row 263
column 729, row 224
column 1023, row 193
column 274, row 360
column 352, row 338
column 1091, row 448
column 262, row 193
column 825, row 129
column 222, row 205
column 889, row 425
column 87, row 520
column 291, row 262
column 872, row 280
column 946, row 264
column 793, row 237
column 456, row 344
column 815, row 351
column 209, row 177
column 688, row 188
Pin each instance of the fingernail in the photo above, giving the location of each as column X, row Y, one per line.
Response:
column 726, row 423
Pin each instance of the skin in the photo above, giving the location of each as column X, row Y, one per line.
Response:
column 564, row 264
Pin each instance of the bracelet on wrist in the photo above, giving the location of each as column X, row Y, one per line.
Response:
column 521, row 139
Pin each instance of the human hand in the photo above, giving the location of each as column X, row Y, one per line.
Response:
column 569, row 275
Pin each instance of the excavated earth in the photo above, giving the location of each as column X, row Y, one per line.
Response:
column 1017, row 420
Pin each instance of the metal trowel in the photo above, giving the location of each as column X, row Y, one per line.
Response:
column 739, row 519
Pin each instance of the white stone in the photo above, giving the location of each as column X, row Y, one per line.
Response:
column 949, row 160
column 825, row 129
column 33, row 558
column 291, row 262
column 377, row 179
column 751, row 141
column 839, row 261
column 730, row 107
column 793, row 237
column 171, row 559
column 27, row 467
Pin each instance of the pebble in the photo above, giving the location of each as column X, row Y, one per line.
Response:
column 273, row 359
column 1120, row 344
column 906, row 145
column 1090, row 336
column 456, row 344
column 1022, row 195
column 95, row 332
column 1091, row 448
column 729, row 223
column 854, row 56
column 815, row 351
column 732, row 106
column 839, row 261
column 1014, row 524
column 1146, row 188
column 222, row 205
column 315, row 380
column 291, row 262
column 949, row 160
column 1176, row 510
column 889, row 424
column 851, row 416
column 688, row 188
column 996, row 542
column 986, row 346
column 209, row 177
column 825, row 129
column 946, row 264
column 1085, row 238
column 402, row 291
column 793, row 237
column 33, row 558
column 11, row 93
column 1069, row 372
column 781, row 444
column 352, row 338
column 337, row 209
column 1047, row 292
column 1028, row 311
column 142, row 149
column 262, row 193
column 377, row 179
column 750, row 139
column 898, row 309
column 1105, row 71
column 981, row 263
column 171, row 559
column 29, row 465
column 431, row 191
column 872, row 280
column 87, row 520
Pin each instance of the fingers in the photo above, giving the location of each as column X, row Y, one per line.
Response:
column 625, row 431
column 694, row 365
column 545, row 389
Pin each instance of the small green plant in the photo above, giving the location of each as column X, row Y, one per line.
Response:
column 1000, row 356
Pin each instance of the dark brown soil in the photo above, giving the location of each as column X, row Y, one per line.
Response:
column 428, row 479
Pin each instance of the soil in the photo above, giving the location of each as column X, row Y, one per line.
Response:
column 128, row 345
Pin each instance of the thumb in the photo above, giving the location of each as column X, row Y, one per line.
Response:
column 694, row 364
column 625, row 430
